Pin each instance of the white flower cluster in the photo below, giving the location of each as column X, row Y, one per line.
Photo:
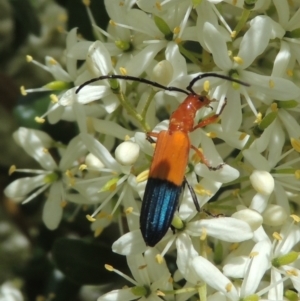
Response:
column 253, row 253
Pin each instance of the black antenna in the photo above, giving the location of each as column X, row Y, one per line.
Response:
column 137, row 79
column 157, row 85
column 203, row 75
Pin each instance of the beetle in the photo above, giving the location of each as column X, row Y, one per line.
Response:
column 167, row 171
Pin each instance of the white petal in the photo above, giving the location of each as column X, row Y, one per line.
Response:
column 140, row 62
column 274, row 215
column 256, row 159
column 224, row 175
column 178, row 62
column 129, row 244
column 282, row 60
column 272, row 86
column 235, row 267
column 214, row 278
column 142, row 23
column 134, row 262
column 224, row 228
column 292, row 126
column 100, row 151
column 232, row 108
column 283, row 11
column 257, row 267
column 216, row 44
column 124, row 294
column 155, row 270
column 56, row 70
column 255, row 40
column 276, row 286
column 74, row 151
column 185, row 254
column 111, row 128
column 98, row 59
column 251, row 217
column 34, row 143
column 291, row 235
column 259, row 202
column 90, row 93
column 53, row 211
column 19, row 189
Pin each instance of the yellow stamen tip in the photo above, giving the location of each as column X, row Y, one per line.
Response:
column 295, row 217
column 112, row 23
column 242, row 136
column 235, row 192
column 29, row 58
column 123, row 71
column 277, row 236
column 297, row 174
column 127, row 137
column 98, row 232
column 90, row 218
column 160, row 293
column 63, row 204
column 292, row 273
column 253, row 254
column 176, row 30
column 54, row 98
column 23, row 91
column 295, row 144
column 274, row 107
column 203, row 234
column 86, row 2
column 238, row 60
column 39, row 119
column 289, row 72
column 109, row 267
column 258, row 118
column 271, row 84
column 52, row 61
column 233, row 34
column 159, row 259
column 69, row 174
column 12, row 169
column 212, row 135
column 158, row 5
column 228, row 287
column 206, row 86
column 178, row 40
column 143, row 176
column 234, row 246
column 129, row 210
column 83, row 167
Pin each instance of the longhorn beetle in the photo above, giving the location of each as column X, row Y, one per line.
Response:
column 166, row 175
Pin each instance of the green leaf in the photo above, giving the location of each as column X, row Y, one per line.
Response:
column 83, row 262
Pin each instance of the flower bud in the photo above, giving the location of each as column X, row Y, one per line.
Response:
column 127, row 153
column 262, row 182
column 251, row 217
column 274, row 215
column 163, row 72
column 93, row 162
column 285, row 259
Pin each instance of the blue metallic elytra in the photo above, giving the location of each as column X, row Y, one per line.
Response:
column 158, row 207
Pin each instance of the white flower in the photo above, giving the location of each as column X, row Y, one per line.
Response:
column 284, row 176
column 150, row 278
column 52, row 176
column 252, row 44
